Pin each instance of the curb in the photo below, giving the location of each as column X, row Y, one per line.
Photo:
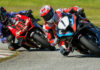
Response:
column 5, row 53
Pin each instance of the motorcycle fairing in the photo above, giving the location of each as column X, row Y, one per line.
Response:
column 73, row 24
column 67, row 34
column 63, row 23
column 21, row 27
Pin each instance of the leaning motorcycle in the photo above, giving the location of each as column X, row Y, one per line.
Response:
column 29, row 32
column 79, row 34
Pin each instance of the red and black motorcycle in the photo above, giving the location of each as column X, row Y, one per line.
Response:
column 28, row 32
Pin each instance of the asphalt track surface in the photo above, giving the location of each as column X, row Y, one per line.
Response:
column 50, row 60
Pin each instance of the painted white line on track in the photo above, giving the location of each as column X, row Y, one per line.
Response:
column 2, row 56
column 5, row 53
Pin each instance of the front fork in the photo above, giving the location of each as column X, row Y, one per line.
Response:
column 67, row 45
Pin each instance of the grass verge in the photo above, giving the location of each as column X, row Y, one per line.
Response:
column 92, row 8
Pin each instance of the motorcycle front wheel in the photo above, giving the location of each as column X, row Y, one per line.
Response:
column 90, row 45
column 43, row 42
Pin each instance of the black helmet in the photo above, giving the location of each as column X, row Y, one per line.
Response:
column 3, row 14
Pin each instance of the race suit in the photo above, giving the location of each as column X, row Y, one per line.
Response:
column 50, row 28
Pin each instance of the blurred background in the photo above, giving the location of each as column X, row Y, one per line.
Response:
column 92, row 7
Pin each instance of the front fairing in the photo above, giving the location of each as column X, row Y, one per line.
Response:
column 65, row 32
column 19, row 33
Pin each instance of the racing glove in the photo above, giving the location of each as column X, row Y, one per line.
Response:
column 77, row 10
column 4, row 40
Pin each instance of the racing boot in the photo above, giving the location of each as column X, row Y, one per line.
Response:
column 63, row 49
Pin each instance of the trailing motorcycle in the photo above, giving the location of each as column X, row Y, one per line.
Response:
column 28, row 33
column 79, row 34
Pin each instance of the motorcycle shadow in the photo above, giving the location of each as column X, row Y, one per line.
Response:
column 85, row 56
column 35, row 49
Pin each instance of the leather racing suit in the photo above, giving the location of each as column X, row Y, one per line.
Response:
column 50, row 28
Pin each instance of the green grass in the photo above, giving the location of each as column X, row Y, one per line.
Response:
column 92, row 8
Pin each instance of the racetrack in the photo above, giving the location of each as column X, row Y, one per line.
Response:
column 50, row 60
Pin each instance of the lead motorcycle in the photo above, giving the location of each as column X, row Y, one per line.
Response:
column 29, row 32
column 79, row 34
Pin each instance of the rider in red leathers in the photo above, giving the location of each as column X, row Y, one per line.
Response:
column 51, row 19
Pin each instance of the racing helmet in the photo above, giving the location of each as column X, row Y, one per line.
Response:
column 48, row 14
column 3, row 14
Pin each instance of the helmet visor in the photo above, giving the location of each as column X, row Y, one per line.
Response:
column 49, row 15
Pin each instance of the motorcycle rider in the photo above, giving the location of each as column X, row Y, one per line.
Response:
column 6, row 19
column 51, row 19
